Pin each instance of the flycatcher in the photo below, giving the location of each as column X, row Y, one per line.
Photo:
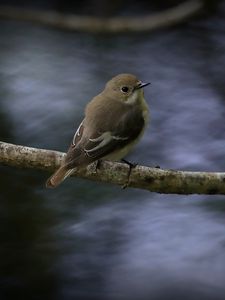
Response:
column 114, row 122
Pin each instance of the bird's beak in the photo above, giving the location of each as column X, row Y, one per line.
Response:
column 142, row 84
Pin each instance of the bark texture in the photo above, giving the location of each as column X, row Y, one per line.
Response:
column 142, row 177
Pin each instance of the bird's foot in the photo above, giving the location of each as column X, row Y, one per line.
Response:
column 95, row 166
column 131, row 166
column 98, row 164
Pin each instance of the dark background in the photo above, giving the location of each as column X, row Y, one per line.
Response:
column 89, row 240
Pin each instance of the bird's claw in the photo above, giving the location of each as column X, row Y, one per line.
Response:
column 131, row 166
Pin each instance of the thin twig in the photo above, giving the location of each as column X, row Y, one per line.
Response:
column 169, row 17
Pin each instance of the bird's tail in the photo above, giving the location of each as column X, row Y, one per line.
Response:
column 58, row 177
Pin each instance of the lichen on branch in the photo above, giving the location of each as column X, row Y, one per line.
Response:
column 142, row 177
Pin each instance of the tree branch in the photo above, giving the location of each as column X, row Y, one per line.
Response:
column 152, row 179
column 169, row 17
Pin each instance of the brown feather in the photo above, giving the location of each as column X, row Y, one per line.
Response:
column 58, row 177
column 108, row 113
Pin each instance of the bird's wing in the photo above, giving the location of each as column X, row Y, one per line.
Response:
column 78, row 135
column 87, row 148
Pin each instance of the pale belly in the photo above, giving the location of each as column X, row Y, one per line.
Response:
column 119, row 154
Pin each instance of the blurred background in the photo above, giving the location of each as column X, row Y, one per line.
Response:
column 89, row 240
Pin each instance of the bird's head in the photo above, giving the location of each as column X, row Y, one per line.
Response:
column 126, row 88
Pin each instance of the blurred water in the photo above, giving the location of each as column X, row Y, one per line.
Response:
column 87, row 240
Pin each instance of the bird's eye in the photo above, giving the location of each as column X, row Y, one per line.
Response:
column 124, row 89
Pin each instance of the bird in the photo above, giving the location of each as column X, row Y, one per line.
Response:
column 114, row 122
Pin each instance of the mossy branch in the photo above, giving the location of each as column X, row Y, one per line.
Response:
column 152, row 179
column 169, row 17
